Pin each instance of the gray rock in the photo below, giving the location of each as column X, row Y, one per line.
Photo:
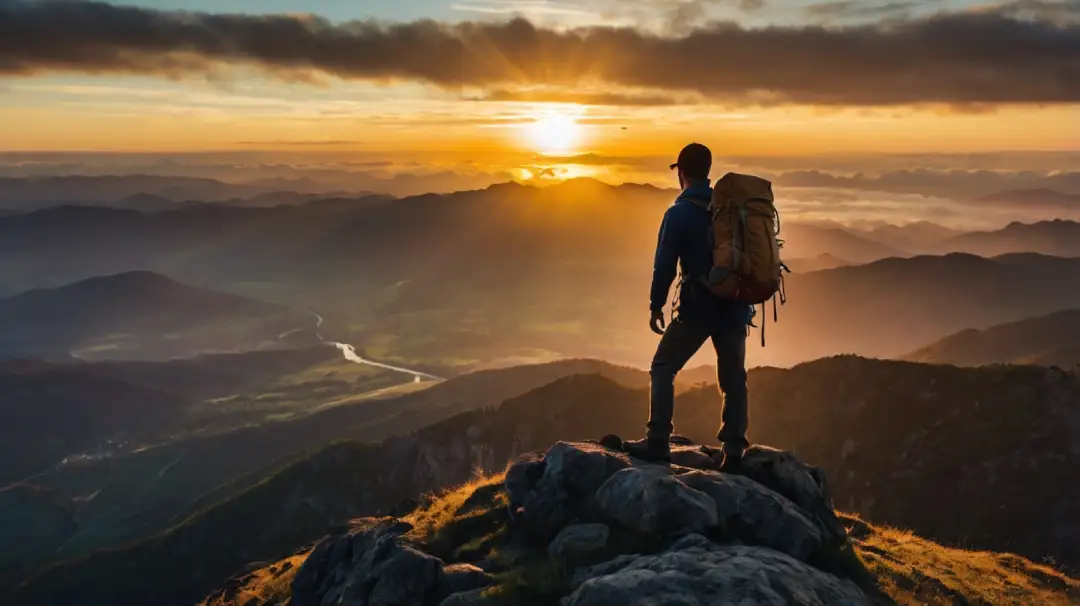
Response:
column 578, row 541
column 572, row 473
column 783, row 473
column 753, row 513
column 458, row 578
column 370, row 566
column 695, row 571
column 392, row 573
column 693, row 457
column 651, row 501
column 521, row 477
column 465, row 598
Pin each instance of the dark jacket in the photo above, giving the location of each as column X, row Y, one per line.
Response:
column 685, row 243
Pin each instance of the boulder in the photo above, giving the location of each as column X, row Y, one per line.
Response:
column 693, row 457
column 521, row 478
column 754, row 514
column 697, row 571
column 373, row 565
column 568, row 480
column 782, row 472
column 652, row 501
column 577, row 542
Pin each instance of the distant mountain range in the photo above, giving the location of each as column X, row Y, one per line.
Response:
column 917, row 237
column 153, row 192
column 803, row 241
column 139, row 192
column 1051, row 340
column 1059, row 238
column 137, row 315
column 818, row 263
column 894, row 306
column 959, row 184
column 889, row 435
column 481, row 269
column 596, row 224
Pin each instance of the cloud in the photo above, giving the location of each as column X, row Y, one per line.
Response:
column 593, row 159
column 685, row 14
column 520, row 7
column 975, row 57
column 956, row 183
column 298, row 143
column 861, row 9
column 1057, row 11
column 583, row 98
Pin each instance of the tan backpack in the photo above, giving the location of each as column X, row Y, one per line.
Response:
column 746, row 247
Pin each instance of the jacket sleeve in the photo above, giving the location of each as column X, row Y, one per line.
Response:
column 665, row 264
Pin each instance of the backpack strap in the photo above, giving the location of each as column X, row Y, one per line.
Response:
column 698, row 202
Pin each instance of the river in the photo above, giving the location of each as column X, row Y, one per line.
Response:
column 350, row 354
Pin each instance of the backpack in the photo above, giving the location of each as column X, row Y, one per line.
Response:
column 746, row 247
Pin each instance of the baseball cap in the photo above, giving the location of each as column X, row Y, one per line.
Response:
column 695, row 160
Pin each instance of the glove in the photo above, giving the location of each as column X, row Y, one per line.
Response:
column 656, row 322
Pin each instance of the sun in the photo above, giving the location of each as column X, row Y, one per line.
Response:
column 554, row 133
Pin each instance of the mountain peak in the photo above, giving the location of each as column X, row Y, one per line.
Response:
column 583, row 524
column 128, row 284
column 604, row 517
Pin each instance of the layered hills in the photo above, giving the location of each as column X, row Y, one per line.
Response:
column 218, row 425
column 1050, row 340
column 887, row 434
column 479, row 280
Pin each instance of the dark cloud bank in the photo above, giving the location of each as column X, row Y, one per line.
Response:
column 985, row 57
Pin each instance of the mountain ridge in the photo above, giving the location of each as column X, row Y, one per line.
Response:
column 1051, row 340
column 822, row 410
column 134, row 313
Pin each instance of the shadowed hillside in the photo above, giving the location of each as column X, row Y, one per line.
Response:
column 137, row 315
column 1052, row 340
column 48, row 413
column 140, row 488
column 888, row 434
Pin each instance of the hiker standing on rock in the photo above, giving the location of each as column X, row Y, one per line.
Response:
column 718, row 244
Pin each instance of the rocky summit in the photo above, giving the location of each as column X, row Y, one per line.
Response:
column 584, row 524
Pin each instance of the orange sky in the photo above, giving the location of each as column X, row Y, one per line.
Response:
column 129, row 93
column 191, row 116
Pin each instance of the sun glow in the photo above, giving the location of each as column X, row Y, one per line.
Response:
column 554, row 133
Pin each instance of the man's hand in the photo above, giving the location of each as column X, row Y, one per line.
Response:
column 656, row 322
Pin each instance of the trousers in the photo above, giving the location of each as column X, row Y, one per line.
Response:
column 680, row 342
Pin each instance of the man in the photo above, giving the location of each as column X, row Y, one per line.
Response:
column 686, row 241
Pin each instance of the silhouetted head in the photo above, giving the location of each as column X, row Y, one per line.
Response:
column 694, row 164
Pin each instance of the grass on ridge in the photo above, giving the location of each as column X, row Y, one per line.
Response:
column 469, row 524
column 915, row 571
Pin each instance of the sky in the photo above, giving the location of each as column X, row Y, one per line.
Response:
column 487, row 77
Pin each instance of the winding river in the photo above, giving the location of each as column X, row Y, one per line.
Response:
column 350, row 353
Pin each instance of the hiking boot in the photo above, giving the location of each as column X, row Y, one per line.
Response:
column 653, row 450
column 679, row 440
column 732, row 461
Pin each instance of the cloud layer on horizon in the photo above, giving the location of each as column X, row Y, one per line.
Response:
column 987, row 57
